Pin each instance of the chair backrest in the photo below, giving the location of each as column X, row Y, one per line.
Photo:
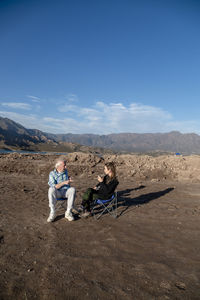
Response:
column 61, row 203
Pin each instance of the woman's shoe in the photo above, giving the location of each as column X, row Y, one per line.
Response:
column 79, row 209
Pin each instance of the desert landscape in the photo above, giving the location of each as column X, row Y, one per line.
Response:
column 151, row 251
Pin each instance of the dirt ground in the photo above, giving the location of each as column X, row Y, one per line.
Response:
column 151, row 251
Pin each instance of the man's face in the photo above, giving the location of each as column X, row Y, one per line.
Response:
column 61, row 167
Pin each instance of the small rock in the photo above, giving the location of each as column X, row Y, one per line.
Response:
column 165, row 285
column 30, row 270
column 180, row 285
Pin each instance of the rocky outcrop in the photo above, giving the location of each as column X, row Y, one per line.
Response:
column 139, row 167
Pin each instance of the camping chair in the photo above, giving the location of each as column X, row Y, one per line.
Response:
column 61, row 203
column 108, row 205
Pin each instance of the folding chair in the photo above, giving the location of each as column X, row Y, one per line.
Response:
column 108, row 205
column 61, row 203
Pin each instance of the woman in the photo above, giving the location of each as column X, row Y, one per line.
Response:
column 103, row 190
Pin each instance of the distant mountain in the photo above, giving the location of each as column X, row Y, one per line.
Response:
column 133, row 142
column 15, row 135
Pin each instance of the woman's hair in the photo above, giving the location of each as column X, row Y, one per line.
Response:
column 110, row 166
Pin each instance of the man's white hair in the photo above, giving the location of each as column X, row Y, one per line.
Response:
column 59, row 161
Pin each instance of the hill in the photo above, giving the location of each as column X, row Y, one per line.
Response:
column 133, row 142
column 14, row 135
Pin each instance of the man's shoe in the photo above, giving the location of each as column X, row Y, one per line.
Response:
column 69, row 216
column 86, row 214
column 51, row 217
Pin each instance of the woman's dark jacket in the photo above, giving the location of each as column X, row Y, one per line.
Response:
column 106, row 188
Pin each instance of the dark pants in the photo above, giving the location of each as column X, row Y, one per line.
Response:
column 88, row 198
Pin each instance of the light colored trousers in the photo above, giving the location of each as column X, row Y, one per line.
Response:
column 53, row 194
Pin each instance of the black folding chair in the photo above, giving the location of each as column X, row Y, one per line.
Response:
column 101, row 207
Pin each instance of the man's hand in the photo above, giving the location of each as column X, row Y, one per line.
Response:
column 70, row 179
column 66, row 182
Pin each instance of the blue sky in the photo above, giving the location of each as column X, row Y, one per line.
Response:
column 101, row 66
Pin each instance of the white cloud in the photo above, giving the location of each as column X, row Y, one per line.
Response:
column 103, row 118
column 115, row 117
column 67, row 108
column 34, row 98
column 17, row 105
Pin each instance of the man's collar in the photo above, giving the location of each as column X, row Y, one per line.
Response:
column 58, row 171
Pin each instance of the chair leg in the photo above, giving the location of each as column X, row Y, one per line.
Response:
column 61, row 204
column 111, row 208
column 116, row 202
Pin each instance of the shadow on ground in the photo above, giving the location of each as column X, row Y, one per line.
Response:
column 127, row 202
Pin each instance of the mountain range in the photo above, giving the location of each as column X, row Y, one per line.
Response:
column 15, row 136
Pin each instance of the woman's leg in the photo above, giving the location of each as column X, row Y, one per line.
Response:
column 88, row 197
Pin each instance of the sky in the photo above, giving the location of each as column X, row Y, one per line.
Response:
column 101, row 66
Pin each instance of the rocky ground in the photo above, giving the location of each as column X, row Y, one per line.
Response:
column 151, row 251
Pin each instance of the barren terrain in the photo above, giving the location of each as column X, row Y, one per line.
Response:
column 151, row 251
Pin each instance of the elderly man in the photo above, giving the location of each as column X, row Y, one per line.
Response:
column 59, row 183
